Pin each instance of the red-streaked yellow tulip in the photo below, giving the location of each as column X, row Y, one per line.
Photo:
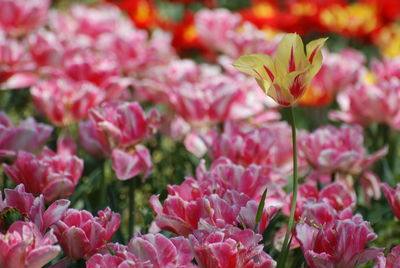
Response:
column 285, row 76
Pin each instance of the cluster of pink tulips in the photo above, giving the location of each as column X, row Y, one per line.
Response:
column 186, row 163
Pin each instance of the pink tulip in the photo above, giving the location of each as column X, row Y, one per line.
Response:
column 80, row 234
column 18, row 17
column 23, row 246
column 330, row 150
column 120, row 128
column 339, row 71
column 386, row 69
column 64, row 101
column 50, row 174
column 392, row 260
column 46, row 50
column 13, row 60
column 98, row 68
column 268, row 145
column 33, row 209
column 92, row 22
column 91, row 141
column 224, row 31
column 229, row 247
column 392, row 196
column 198, row 94
column 216, row 26
column 162, row 252
column 28, row 136
column 337, row 195
column 127, row 165
column 227, row 193
column 123, row 124
column 336, row 242
column 181, row 213
column 370, row 184
column 119, row 257
column 381, row 98
column 224, row 175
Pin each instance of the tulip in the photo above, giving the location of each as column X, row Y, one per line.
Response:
column 267, row 145
column 50, row 174
column 392, row 196
column 80, row 234
column 18, row 17
column 224, row 175
column 28, row 136
column 115, row 256
column 162, row 252
column 330, row 149
column 15, row 65
column 33, row 209
column 65, row 101
column 392, row 260
column 120, row 128
column 181, row 212
column 23, row 246
column 229, row 247
column 336, row 243
column 284, row 78
column 382, row 98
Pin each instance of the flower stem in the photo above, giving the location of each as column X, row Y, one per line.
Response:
column 286, row 245
column 131, row 197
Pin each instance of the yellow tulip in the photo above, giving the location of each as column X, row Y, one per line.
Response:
column 285, row 76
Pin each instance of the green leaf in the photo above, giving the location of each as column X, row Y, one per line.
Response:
column 260, row 208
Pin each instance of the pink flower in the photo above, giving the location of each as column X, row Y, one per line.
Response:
column 135, row 50
column 18, row 17
column 80, row 234
column 50, row 174
column 224, row 31
column 46, row 50
column 28, row 136
column 224, row 175
column 337, row 195
column 339, row 71
column 381, row 98
column 23, row 246
column 386, row 69
column 199, row 94
column 91, row 141
column 330, row 149
column 162, row 252
column 268, row 145
column 64, row 101
column 392, row 260
column 117, row 257
column 13, row 62
column 215, row 26
column 121, row 127
column 229, row 247
column 33, row 209
column 98, row 68
column 183, row 210
column 336, row 242
column 392, row 196
column 370, row 185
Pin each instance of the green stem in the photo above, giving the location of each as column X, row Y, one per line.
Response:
column 286, row 246
column 103, row 186
column 131, row 193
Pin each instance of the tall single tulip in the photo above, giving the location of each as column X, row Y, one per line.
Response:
column 284, row 77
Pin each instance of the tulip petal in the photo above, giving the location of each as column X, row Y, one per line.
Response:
column 314, row 56
column 291, row 53
column 259, row 66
